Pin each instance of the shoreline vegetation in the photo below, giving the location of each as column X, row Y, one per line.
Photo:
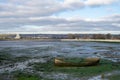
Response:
column 62, row 37
column 66, row 40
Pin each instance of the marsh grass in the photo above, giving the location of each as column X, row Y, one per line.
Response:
column 21, row 58
column 103, row 67
column 114, row 77
column 19, row 75
column 24, row 75
column 6, row 58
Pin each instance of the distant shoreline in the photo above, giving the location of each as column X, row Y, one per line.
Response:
column 91, row 40
column 66, row 40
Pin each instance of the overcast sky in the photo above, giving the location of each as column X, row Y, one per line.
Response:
column 60, row 16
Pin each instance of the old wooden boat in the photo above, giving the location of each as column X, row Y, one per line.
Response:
column 84, row 62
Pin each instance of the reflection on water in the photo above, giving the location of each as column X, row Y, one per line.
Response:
column 74, row 49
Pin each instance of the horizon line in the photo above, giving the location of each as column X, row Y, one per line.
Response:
column 61, row 32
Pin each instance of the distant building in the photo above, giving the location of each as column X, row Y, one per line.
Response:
column 17, row 36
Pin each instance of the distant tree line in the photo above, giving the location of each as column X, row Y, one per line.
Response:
column 102, row 36
column 61, row 36
column 93, row 36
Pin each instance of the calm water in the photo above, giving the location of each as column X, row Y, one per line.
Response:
column 67, row 49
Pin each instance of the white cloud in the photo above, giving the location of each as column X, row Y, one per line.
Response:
column 99, row 2
column 18, row 8
column 73, row 4
column 26, row 8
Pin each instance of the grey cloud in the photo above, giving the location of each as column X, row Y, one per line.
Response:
column 99, row 2
column 22, row 8
column 27, row 8
column 60, row 24
column 19, row 15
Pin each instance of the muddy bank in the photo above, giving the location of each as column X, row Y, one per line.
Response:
column 37, row 57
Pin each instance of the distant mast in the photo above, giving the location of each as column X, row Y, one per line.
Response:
column 17, row 36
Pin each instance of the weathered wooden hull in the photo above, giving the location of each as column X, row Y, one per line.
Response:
column 86, row 62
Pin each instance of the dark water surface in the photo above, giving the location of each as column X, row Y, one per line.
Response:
column 74, row 49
